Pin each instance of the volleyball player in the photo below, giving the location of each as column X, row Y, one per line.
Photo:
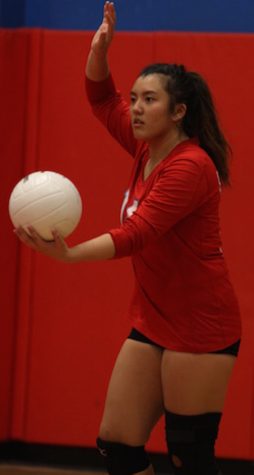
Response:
column 185, row 336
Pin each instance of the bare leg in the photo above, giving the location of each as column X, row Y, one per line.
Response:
column 195, row 383
column 134, row 400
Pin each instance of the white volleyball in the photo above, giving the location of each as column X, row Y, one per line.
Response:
column 46, row 200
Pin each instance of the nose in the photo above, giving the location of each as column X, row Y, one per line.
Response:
column 137, row 107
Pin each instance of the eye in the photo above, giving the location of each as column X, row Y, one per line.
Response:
column 149, row 99
column 132, row 99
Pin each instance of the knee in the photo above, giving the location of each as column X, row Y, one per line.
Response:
column 191, row 442
column 121, row 458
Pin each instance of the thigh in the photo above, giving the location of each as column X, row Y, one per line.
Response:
column 134, row 399
column 195, row 383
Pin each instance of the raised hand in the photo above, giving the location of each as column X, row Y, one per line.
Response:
column 105, row 32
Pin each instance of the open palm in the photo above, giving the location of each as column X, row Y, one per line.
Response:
column 105, row 32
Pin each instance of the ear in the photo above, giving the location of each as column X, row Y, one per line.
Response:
column 179, row 112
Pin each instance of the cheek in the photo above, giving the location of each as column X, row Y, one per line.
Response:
column 160, row 114
column 162, row 121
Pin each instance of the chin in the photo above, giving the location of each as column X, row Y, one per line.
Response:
column 139, row 134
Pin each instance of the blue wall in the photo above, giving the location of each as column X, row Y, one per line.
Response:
column 147, row 15
column 12, row 13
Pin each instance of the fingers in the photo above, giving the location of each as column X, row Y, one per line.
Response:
column 104, row 35
column 33, row 233
column 25, row 237
column 109, row 7
column 110, row 14
column 30, row 236
column 56, row 248
column 111, row 10
column 60, row 242
column 113, row 13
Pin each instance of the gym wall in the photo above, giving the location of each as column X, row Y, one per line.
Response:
column 62, row 326
column 132, row 15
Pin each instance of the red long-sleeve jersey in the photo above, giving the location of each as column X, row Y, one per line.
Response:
column 183, row 297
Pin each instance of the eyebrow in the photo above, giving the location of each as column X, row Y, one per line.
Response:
column 143, row 93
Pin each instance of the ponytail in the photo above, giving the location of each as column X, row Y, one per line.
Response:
column 200, row 119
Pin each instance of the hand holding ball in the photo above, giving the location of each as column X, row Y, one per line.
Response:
column 47, row 201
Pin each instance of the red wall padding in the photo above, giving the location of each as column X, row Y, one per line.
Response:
column 63, row 325
column 14, row 57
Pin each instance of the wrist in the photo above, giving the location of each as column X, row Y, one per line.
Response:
column 97, row 68
column 99, row 53
column 73, row 255
column 99, row 248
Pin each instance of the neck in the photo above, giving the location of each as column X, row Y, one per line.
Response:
column 159, row 148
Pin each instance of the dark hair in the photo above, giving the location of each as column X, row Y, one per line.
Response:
column 200, row 119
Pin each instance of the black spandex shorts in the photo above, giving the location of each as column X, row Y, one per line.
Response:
column 229, row 350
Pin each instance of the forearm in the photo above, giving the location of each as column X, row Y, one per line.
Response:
column 99, row 248
column 97, row 68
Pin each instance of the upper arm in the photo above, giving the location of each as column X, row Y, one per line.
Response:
column 180, row 188
column 112, row 110
column 114, row 114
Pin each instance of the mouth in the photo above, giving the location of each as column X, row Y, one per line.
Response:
column 137, row 123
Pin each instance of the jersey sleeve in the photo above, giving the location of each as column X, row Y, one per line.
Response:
column 180, row 188
column 112, row 110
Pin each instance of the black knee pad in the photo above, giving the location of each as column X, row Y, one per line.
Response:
column 191, row 441
column 121, row 459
